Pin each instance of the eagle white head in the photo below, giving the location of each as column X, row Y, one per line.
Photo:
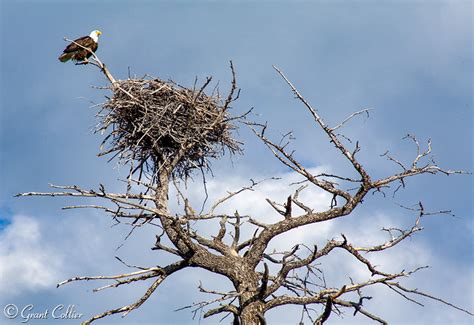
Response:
column 95, row 35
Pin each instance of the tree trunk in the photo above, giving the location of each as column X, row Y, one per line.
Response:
column 252, row 314
column 251, row 306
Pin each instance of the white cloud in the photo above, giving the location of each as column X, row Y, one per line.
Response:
column 28, row 261
column 36, row 253
column 253, row 203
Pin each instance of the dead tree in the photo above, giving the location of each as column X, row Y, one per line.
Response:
column 163, row 132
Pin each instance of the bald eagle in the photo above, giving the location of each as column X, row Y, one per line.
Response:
column 80, row 53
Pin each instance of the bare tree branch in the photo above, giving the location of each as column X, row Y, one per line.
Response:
column 163, row 132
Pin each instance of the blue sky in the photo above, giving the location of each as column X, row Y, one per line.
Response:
column 411, row 61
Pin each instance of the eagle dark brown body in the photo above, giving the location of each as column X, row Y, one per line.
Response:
column 80, row 49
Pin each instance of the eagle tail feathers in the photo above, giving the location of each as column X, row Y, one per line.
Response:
column 65, row 57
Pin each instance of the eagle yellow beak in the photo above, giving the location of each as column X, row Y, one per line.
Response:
column 99, row 32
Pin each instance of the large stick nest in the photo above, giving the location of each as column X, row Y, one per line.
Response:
column 153, row 124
